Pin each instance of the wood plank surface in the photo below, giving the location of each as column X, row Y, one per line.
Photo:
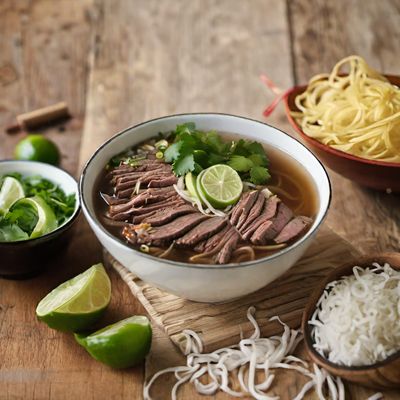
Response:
column 120, row 62
column 337, row 29
column 44, row 47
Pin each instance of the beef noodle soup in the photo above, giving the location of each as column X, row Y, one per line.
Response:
column 155, row 198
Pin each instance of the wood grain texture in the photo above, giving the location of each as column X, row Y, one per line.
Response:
column 44, row 49
column 322, row 33
column 43, row 60
column 175, row 59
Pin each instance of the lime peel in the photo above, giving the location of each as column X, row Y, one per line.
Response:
column 120, row 345
column 190, row 182
column 47, row 221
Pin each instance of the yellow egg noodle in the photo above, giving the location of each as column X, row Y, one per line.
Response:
column 358, row 112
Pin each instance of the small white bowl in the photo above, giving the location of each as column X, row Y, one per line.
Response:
column 205, row 283
column 26, row 258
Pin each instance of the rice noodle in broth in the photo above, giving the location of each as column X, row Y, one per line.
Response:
column 141, row 202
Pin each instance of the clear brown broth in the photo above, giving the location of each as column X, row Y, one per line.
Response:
column 287, row 174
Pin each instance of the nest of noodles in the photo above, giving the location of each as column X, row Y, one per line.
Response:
column 357, row 113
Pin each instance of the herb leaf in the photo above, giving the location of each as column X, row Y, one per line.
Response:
column 259, row 175
column 258, row 159
column 188, row 127
column 184, row 165
column 11, row 232
column 195, row 150
column 240, row 163
column 172, row 152
column 23, row 215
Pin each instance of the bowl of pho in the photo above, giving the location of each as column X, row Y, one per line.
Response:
column 209, row 207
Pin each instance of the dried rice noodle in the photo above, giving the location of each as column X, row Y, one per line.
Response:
column 249, row 356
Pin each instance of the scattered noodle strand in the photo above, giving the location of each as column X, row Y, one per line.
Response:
column 249, row 357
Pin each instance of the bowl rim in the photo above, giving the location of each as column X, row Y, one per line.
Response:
column 195, row 265
column 324, row 147
column 306, row 328
column 62, row 227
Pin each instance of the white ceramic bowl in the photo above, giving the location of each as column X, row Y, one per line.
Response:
column 26, row 258
column 205, row 283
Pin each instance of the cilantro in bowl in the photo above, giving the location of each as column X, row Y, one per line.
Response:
column 31, row 206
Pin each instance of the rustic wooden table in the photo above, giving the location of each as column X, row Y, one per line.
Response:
column 117, row 63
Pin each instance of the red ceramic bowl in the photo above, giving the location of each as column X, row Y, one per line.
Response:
column 370, row 173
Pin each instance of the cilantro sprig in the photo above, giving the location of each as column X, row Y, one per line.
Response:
column 193, row 150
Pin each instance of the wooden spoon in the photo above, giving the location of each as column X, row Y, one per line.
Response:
column 382, row 375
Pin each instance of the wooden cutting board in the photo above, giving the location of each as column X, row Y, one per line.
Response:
column 221, row 325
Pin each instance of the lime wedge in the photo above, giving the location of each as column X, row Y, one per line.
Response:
column 11, row 191
column 190, row 182
column 47, row 220
column 120, row 345
column 78, row 303
column 221, row 185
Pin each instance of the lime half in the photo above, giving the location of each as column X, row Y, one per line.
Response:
column 120, row 345
column 11, row 191
column 221, row 185
column 78, row 303
column 47, row 220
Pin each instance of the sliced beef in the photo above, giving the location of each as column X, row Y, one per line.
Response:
column 237, row 210
column 269, row 211
column 255, row 212
column 202, row 231
column 247, row 206
column 270, row 229
column 165, row 234
column 121, row 169
column 124, row 169
column 140, row 169
column 144, row 179
column 167, row 214
column 229, row 247
column 154, row 196
column 213, row 241
column 158, row 181
column 125, row 194
column 111, row 200
column 137, row 219
column 294, row 228
column 146, row 197
column 158, row 169
column 171, row 202
column 134, row 211
column 163, row 182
